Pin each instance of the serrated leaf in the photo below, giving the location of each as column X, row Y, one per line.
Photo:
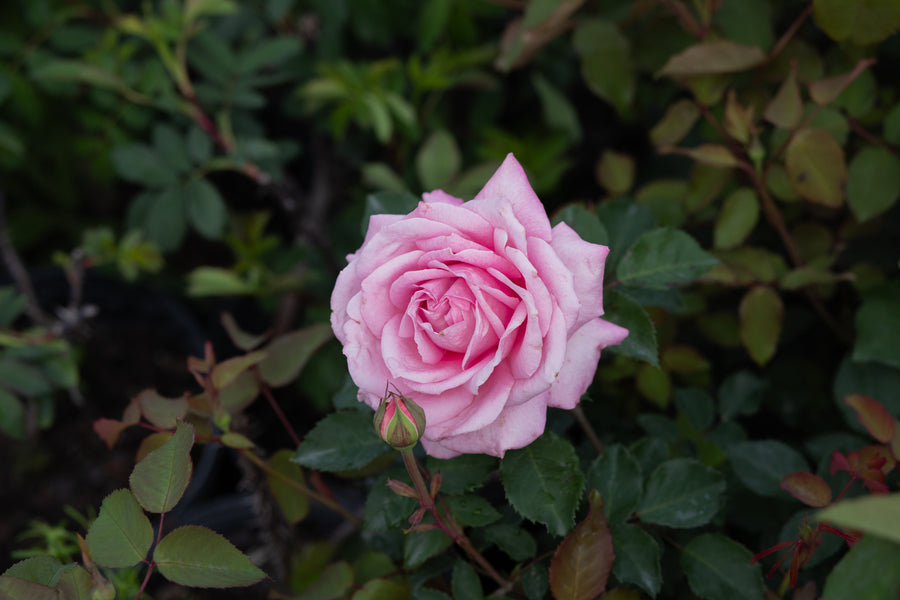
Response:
column 198, row 557
column 517, row 543
column 625, row 221
column 873, row 416
column 471, row 510
column 741, row 393
column 41, row 569
column 161, row 411
column 205, row 208
column 382, row 589
column 228, row 370
column 718, row 568
column 543, row 482
column 738, row 217
column 808, row 488
column 121, row 535
column 465, row 582
column 696, row 406
column 878, row 326
column 713, row 57
column 863, row 22
column 584, row 559
column 419, row 546
column 462, row 473
column 159, row 480
column 641, row 341
column 293, row 503
column 662, row 258
column 438, row 160
column 585, row 223
column 816, row 167
column 637, row 558
column 617, row 475
column 762, row 464
column 873, row 182
column 385, row 509
column 761, row 313
column 341, row 441
column 606, row 65
column 681, row 492
column 333, row 583
column 287, row 354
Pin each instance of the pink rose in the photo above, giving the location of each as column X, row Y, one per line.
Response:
column 478, row 311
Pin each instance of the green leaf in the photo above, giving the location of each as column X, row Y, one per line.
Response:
column 713, row 57
column 240, row 338
column 736, row 220
column 42, row 569
column 22, row 378
column 205, row 208
column 287, row 354
column 228, row 370
column 761, row 313
column 741, row 393
column 333, row 583
column 380, row 176
column 215, row 281
column 12, row 415
column 761, row 465
column 424, row 593
column 696, row 406
column 878, row 326
column 138, row 163
column 463, row 473
column 471, row 510
column 617, row 475
column 159, row 480
column 681, row 492
column 641, row 341
column 875, row 380
column 870, row 571
column 388, row 203
column 121, row 535
column 637, row 558
column 873, row 182
column 15, row 588
column 625, row 221
column 662, row 258
column 558, row 112
column 293, row 503
column 438, row 160
column 273, row 51
column 382, row 589
column 198, row 557
column 384, row 509
column 584, row 559
column 747, row 22
column 816, row 167
column 718, row 568
column 199, row 145
column 517, row 543
column 341, row 441
column 543, row 482
column 419, row 546
column 606, row 62
column 585, row 223
column 877, row 515
column 676, row 123
column 863, row 22
column 465, row 582
column 12, row 304
column 432, row 21
column 161, row 411
column 615, row 172
column 164, row 220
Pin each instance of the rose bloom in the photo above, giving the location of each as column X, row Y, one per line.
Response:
column 478, row 311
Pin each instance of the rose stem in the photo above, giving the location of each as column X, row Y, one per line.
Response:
column 300, row 487
column 587, row 428
column 450, row 527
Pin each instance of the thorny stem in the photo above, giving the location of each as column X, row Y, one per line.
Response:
column 448, row 526
column 300, row 487
column 587, row 428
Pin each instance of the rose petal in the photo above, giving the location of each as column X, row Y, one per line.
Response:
column 515, row 427
column 440, row 196
column 510, row 183
column 586, row 262
column 557, row 278
column 582, row 354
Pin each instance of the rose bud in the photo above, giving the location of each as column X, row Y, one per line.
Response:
column 399, row 421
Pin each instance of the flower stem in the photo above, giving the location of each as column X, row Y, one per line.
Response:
column 587, row 428
column 448, row 525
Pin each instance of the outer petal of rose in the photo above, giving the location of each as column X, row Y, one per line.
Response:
column 509, row 182
column 346, row 286
column 458, row 218
column 555, row 275
column 441, row 196
column 580, row 364
column 586, row 261
column 515, row 427
column 363, row 352
column 379, row 222
column 483, row 410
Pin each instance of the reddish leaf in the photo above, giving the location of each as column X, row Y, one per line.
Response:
column 838, row 462
column 582, row 563
column 109, row 430
column 807, row 488
column 873, row 416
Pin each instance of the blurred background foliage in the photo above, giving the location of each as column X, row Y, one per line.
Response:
column 226, row 153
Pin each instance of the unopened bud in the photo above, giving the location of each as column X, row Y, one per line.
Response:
column 399, row 421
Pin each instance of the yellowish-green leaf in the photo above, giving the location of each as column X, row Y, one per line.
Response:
column 816, row 167
column 761, row 313
column 862, row 22
column 736, row 220
column 878, row 515
column 677, row 121
column 786, row 109
column 615, row 171
column 159, row 480
column 713, row 57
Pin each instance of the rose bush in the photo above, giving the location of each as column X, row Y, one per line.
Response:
column 479, row 311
